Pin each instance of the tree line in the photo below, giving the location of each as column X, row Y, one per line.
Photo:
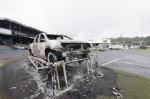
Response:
column 131, row 40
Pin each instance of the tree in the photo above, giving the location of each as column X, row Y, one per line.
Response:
column 133, row 41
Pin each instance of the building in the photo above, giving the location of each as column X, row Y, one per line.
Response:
column 12, row 32
column 102, row 43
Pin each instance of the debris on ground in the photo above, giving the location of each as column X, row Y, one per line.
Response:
column 80, row 86
column 13, row 88
column 117, row 92
column 119, row 95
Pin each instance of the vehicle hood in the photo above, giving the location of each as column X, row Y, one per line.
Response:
column 73, row 41
column 58, row 43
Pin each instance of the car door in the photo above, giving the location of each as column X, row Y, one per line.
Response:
column 41, row 45
column 35, row 44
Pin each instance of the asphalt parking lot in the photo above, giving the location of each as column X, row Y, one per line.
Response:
column 132, row 61
column 5, row 55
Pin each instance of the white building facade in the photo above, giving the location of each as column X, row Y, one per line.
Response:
column 100, row 44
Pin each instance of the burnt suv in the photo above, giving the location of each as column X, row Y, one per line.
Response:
column 58, row 47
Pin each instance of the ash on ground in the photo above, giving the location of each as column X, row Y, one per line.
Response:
column 89, row 89
column 80, row 86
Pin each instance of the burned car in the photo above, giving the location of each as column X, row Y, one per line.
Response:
column 58, row 47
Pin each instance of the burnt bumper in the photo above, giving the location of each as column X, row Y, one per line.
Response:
column 75, row 53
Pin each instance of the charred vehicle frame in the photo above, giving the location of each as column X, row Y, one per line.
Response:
column 56, row 47
column 56, row 51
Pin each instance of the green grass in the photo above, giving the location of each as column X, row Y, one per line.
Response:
column 5, row 62
column 133, row 86
column 148, row 49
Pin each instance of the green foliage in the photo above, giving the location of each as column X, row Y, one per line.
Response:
column 131, row 41
column 143, row 47
column 147, row 40
column 133, row 86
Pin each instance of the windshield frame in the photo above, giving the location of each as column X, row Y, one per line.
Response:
column 54, row 37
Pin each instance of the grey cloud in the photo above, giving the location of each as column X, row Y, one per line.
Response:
column 82, row 18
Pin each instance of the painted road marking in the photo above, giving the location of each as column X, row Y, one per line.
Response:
column 131, row 64
column 111, row 61
column 137, row 60
column 116, row 60
column 9, row 50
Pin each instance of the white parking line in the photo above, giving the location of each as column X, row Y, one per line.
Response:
column 116, row 60
column 131, row 64
column 137, row 60
column 110, row 61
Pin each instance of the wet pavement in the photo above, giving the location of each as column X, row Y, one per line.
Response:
column 132, row 61
column 13, row 54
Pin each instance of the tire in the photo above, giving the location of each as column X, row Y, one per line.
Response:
column 51, row 57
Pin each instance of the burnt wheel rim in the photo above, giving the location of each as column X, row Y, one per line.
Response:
column 51, row 57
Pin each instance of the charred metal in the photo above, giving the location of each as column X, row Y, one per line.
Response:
column 59, row 47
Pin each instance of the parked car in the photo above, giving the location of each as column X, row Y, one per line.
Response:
column 111, row 47
column 21, row 46
column 134, row 47
column 56, row 47
column 116, row 47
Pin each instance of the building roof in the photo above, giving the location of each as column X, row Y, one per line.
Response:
column 100, row 41
column 5, row 21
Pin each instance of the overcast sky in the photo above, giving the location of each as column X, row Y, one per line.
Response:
column 82, row 19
